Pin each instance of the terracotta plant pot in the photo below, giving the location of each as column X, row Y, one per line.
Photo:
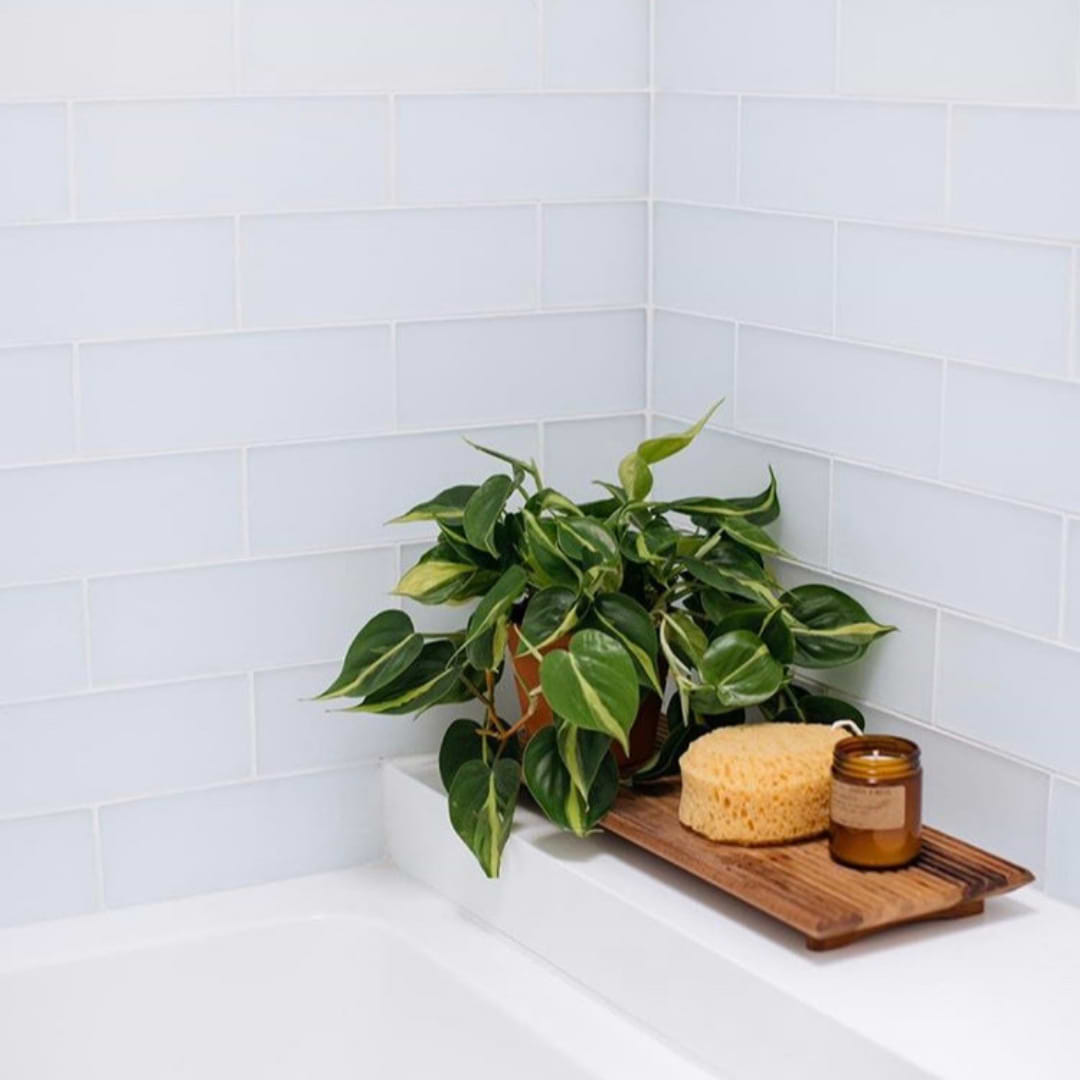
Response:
column 642, row 734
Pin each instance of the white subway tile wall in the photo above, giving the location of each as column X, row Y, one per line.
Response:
column 214, row 217
column 884, row 199
column 263, row 263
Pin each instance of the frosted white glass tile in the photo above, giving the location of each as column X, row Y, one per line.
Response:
column 985, row 799
column 403, row 45
column 694, row 147
column 595, row 255
column 102, row 746
column 1016, row 170
column 536, row 366
column 745, row 45
column 230, row 389
column 41, row 627
column 214, row 156
column 114, row 280
column 33, row 165
column 268, row 613
column 332, row 268
column 523, row 146
column 771, row 268
column 858, row 402
column 994, row 49
column 898, row 670
column 114, row 48
column 1013, row 434
column 727, row 465
column 37, row 408
column 576, row 452
column 1072, row 583
column 850, row 158
column 981, row 696
column 603, row 44
column 240, row 834
column 93, row 517
column 693, row 366
column 298, row 501
column 1063, row 863
column 995, row 301
column 296, row 733
column 48, row 868
column 948, row 546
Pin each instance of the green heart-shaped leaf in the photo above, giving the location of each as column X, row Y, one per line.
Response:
column 739, row 669
column 551, row 785
column 551, row 613
column 582, row 753
column 485, row 637
column 760, row 509
column 483, row 509
column 384, row 648
column 433, row 677
column 830, row 627
column 593, row 684
column 448, row 505
column 482, row 801
column 752, row 536
column 625, row 619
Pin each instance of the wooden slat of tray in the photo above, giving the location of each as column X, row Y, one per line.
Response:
column 801, row 885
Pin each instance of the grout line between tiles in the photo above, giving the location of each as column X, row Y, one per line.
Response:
column 650, row 231
column 935, row 672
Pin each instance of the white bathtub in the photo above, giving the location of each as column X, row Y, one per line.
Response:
column 358, row 974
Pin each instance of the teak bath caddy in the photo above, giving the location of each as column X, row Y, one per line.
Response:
column 799, row 884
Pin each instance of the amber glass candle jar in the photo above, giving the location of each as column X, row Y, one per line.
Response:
column 875, row 816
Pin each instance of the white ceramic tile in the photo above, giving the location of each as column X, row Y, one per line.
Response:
column 693, row 366
column 995, row 49
column 601, row 44
column 863, row 403
column 577, row 452
column 727, row 465
column 694, row 147
column 33, row 168
column 988, row 800
column 114, row 280
column 42, row 630
column 97, row 747
column 298, row 502
column 770, row 268
column 486, row 148
column 1072, row 584
column 320, row 268
column 745, row 45
column 68, row 48
column 296, row 733
column 94, row 517
column 898, row 671
column 1012, row 434
column 850, row 158
column 37, row 408
column 403, row 45
column 240, row 834
column 148, row 627
column 1016, row 170
column 232, row 389
column 193, row 157
column 947, row 546
column 976, row 298
column 1063, row 863
column 595, row 255
column 1005, row 690
column 48, row 868
column 562, row 365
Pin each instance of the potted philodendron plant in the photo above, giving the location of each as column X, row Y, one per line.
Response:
column 598, row 605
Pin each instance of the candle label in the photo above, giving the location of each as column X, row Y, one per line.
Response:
column 861, row 807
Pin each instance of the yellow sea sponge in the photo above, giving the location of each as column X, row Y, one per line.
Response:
column 759, row 783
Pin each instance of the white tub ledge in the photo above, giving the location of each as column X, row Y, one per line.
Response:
column 991, row 996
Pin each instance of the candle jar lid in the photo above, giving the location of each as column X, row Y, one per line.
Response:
column 875, row 757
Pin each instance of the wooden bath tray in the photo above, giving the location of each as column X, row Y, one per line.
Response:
column 799, row 884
